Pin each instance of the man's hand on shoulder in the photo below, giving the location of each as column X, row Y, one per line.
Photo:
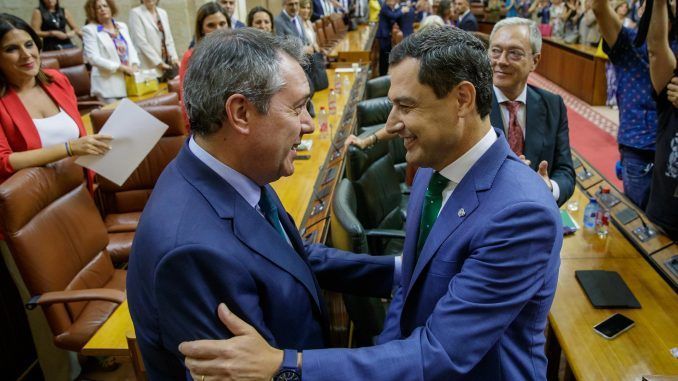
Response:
column 246, row 356
column 543, row 171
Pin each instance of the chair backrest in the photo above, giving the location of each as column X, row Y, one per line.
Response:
column 377, row 87
column 367, row 314
column 338, row 23
column 169, row 99
column 377, row 186
column 373, row 111
column 66, row 57
column 57, row 238
column 174, row 86
column 79, row 78
column 329, row 31
column 320, row 32
column 49, row 63
column 133, row 194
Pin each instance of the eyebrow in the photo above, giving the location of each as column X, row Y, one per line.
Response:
column 404, row 99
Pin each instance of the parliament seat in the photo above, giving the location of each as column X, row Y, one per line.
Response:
column 58, row 241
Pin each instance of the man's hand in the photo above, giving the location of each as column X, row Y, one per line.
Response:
column 543, row 171
column 672, row 92
column 246, row 356
column 356, row 141
column 527, row 162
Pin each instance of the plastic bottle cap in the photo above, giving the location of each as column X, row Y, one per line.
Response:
column 605, row 190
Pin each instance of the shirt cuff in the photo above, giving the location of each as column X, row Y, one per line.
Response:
column 555, row 189
column 397, row 270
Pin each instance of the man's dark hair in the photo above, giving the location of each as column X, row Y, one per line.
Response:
column 448, row 56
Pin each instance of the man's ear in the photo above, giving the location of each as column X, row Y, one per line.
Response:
column 466, row 98
column 535, row 61
column 238, row 113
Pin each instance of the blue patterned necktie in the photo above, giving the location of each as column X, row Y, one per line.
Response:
column 270, row 211
column 433, row 201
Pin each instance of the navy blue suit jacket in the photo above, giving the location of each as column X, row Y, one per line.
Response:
column 547, row 136
column 199, row 243
column 474, row 305
column 469, row 23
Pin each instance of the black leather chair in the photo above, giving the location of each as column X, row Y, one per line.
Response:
column 372, row 112
column 347, row 233
column 377, row 87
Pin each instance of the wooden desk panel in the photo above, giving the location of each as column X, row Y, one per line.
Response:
column 576, row 69
column 359, row 40
column 644, row 349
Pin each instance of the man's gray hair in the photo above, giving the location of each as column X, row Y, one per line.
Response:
column 535, row 34
column 241, row 61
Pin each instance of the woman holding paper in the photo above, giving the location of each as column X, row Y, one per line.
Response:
column 39, row 117
column 109, row 48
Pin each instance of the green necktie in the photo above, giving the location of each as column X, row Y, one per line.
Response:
column 269, row 210
column 432, row 204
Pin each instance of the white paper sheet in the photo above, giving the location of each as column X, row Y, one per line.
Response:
column 135, row 132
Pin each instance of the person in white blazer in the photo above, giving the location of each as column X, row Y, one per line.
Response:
column 110, row 62
column 148, row 37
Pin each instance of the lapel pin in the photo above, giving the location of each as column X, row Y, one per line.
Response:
column 461, row 212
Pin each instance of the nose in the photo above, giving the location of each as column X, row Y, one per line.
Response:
column 307, row 124
column 393, row 123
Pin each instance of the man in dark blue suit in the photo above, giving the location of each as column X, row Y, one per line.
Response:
column 214, row 231
column 481, row 253
column 229, row 7
column 467, row 20
column 534, row 120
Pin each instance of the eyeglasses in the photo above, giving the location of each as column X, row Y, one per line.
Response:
column 512, row 54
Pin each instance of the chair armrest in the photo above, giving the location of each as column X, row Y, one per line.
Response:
column 91, row 104
column 385, row 233
column 107, row 294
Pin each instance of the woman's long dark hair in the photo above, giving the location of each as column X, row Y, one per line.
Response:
column 257, row 9
column 10, row 22
column 208, row 9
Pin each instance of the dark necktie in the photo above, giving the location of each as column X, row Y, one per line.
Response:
column 433, row 201
column 269, row 210
column 515, row 133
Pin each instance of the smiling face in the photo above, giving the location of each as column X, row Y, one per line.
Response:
column 512, row 59
column 19, row 56
column 213, row 22
column 276, row 135
column 229, row 6
column 427, row 124
column 262, row 21
column 305, row 11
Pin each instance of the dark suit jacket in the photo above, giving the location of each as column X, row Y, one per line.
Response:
column 285, row 27
column 318, row 11
column 199, row 243
column 469, row 23
column 474, row 304
column 547, row 136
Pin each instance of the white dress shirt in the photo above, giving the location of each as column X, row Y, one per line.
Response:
column 456, row 171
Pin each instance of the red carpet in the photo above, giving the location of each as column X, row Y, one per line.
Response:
column 595, row 145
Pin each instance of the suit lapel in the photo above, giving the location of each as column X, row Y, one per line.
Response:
column 495, row 115
column 249, row 226
column 412, row 224
column 149, row 17
column 535, row 121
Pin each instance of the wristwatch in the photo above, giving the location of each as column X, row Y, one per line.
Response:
column 289, row 371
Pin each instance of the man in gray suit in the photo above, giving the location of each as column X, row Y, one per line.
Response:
column 288, row 22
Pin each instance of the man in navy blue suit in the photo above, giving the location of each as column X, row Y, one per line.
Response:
column 229, row 7
column 467, row 20
column 214, row 231
column 481, row 253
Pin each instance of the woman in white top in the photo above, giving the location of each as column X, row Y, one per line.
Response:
column 152, row 36
column 109, row 49
column 305, row 11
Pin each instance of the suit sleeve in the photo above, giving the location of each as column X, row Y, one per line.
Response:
column 357, row 274
column 562, row 169
column 90, row 43
column 138, row 34
column 189, row 283
column 507, row 265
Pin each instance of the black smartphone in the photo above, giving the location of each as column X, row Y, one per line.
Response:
column 613, row 326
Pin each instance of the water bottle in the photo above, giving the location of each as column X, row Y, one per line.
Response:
column 323, row 122
column 337, row 81
column 590, row 214
column 346, row 85
column 332, row 100
column 602, row 222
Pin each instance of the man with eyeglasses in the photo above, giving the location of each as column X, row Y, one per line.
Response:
column 533, row 120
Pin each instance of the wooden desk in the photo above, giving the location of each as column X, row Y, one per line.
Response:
column 295, row 192
column 355, row 46
column 642, row 350
column 575, row 68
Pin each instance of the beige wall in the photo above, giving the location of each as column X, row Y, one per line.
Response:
column 181, row 13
